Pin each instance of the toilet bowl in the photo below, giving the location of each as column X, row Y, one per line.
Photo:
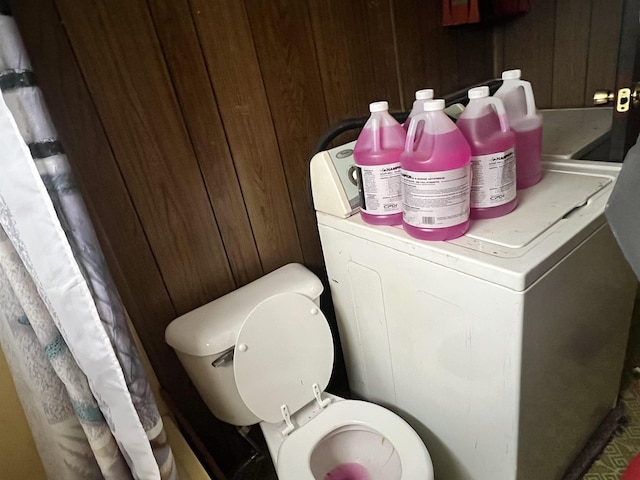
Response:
column 348, row 432
column 264, row 354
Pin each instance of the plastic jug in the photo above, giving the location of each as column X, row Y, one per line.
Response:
column 526, row 122
column 485, row 125
column 418, row 104
column 377, row 158
column 436, row 176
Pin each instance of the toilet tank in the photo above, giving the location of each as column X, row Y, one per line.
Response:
column 207, row 336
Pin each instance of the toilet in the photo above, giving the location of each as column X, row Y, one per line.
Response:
column 264, row 354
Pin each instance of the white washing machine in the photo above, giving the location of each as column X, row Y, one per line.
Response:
column 503, row 348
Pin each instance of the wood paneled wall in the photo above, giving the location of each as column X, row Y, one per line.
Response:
column 189, row 125
column 567, row 49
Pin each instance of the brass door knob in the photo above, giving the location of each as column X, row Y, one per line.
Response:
column 623, row 98
column 603, row 97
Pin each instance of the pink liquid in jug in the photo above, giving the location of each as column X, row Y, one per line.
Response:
column 526, row 122
column 528, row 153
column 486, row 138
column 377, row 157
column 446, row 164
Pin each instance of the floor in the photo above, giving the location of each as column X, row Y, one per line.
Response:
column 626, row 444
column 623, row 447
column 260, row 468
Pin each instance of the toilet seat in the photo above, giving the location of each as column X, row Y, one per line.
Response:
column 283, row 356
column 294, row 455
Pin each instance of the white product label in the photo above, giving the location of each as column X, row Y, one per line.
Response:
column 494, row 179
column 380, row 189
column 436, row 199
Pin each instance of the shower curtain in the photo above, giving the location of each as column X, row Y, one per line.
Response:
column 62, row 325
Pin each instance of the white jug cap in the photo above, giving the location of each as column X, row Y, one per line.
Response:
column 425, row 94
column 511, row 74
column 434, row 105
column 379, row 106
column 478, row 92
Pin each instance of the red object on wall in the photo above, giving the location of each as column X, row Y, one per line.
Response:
column 507, row 8
column 459, row 12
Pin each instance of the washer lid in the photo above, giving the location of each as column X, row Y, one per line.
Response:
column 283, row 348
column 540, row 208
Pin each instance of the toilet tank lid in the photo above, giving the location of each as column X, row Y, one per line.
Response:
column 213, row 328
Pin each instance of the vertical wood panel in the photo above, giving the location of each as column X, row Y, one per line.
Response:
column 227, row 44
column 528, row 45
column 119, row 55
column 416, row 25
column 284, row 45
column 333, row 60
column 372, row 50
column 606, row 20
column 474, row 54
column 446, row 42
column 573, row 18
column 432, row 56
column 498, row 50
column 183, row 55
column 354, row 42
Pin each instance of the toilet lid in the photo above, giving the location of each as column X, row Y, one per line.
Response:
column 283, row 348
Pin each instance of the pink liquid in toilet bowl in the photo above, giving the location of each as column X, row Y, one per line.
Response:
column 348, row 471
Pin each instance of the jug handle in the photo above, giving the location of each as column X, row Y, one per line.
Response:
column 528, row 96
column 498, row 106
column 411, row 133
column 375, row 129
